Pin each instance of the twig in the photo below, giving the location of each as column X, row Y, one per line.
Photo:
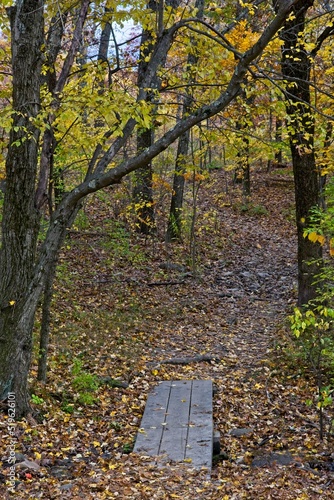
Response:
column 267, row 390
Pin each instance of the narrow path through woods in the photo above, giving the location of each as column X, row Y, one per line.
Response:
column 236, row 312
column 116, row 324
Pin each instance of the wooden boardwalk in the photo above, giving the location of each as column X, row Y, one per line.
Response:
column 177, row 423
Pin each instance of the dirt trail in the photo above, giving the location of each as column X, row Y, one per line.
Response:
column 114, row 317
column 241, row 303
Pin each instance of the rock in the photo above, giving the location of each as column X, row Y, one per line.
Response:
column 19, row 457
column 169, row 266
column 60, row 472
column 216, row 443
column 263, row 275
column 266, row 460
column 246, row 274
column 66, row 487
column 113, row 382
column 28, row 464
column 244, row 431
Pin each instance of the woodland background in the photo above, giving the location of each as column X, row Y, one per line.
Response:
column 139, row 255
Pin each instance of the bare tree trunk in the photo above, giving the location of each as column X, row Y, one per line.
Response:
column 174, row 228
column 142, row 193
column 20, row 217
column 47, row 171
column 143, row 185
column 278, row 139
column 45, row 325
column 296, row 71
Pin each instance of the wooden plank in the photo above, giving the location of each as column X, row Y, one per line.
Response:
column 179, row 404
column 174, row 437
column 177, row 423
column 152, row 424
column 199, row 447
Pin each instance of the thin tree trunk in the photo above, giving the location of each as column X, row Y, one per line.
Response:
column 48, row 172
column 323, row 166
column 278, row 139
column 142, row 193
column 45, row 325
column 174, row 227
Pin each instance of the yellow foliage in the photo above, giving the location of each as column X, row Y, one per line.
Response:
column 241, row 37
column 315, row 237
column 331, row 247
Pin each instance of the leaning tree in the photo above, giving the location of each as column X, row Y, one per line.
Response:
column 24, row 262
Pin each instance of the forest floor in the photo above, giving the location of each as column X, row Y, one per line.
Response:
column 122, row 312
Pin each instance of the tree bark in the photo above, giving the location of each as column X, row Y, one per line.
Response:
column 296, row 66
column 20, row 217
column 174, row 227
column 142, row 189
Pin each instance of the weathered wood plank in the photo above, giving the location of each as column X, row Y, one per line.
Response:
column 175, row 434
column 200, row 437
column 152, row 424
column 177, row 422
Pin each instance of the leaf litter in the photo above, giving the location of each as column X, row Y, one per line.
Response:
column 119, row 328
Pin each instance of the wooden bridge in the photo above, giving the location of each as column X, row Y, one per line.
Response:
column 177, row 424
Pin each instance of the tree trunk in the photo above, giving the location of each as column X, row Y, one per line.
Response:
column 20, row 217
column 142, row 193
column 143, row 183
column 174, row 228
column 45, row 325
column 279, row 140
column 296, row 72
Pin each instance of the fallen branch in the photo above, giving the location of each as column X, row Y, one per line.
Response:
column 162, row 283
column 186, row 360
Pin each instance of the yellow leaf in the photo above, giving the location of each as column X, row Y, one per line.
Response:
column 155, row 372
column 331, row 247
column 11, row 302
column 313, row 237
column 188, row 460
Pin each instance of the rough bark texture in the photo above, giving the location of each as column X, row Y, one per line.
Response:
column 174, row 229
column 175, row 220
column 296, row 65
column 20, row 216
column 142, row 190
